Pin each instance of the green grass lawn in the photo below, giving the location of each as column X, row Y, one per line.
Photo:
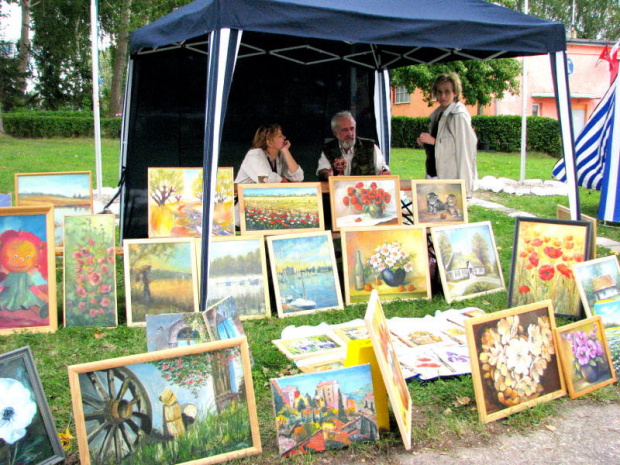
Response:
column 444, row 410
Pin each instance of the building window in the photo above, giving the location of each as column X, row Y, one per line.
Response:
column 536, row 109
column 402, row 96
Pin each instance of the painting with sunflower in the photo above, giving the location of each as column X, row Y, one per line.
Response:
column 544, row 251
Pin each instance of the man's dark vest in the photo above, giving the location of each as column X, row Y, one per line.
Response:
column 363, row 163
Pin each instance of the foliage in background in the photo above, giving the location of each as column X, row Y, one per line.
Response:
column 46, row 124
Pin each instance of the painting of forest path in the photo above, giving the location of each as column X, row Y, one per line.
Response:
column 325, row 410
column 160, row 277
column 69, row 192
column 238, row 268
column 172, row 406
column 89, row 271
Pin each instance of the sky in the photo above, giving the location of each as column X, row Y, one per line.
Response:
column 11, row 25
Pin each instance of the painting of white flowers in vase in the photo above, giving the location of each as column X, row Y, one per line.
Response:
column 514, row 359
column 585, row 356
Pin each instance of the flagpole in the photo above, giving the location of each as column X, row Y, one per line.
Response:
column 94, row 41
column 524, row 97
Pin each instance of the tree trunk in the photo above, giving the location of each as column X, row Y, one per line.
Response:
column 1, row 123
column 24, row 45
column 120, row 62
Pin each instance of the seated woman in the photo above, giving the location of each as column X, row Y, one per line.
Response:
column 269, row 159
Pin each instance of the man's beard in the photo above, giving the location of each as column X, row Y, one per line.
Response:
column 347, row 144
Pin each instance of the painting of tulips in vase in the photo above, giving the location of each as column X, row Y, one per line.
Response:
column 89, row 276
column 585, row 356
column 27, row 431
column 280, row 208
column 364, row 201
column 543, row 253
column 391, row 259
column 514, row 359
column 467, row 260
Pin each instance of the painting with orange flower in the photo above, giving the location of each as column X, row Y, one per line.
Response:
column 544, row 251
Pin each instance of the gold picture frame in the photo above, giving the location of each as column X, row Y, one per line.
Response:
column 439, row 202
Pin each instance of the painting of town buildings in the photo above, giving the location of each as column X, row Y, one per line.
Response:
column 325, row 410
column 467, row 260
column 69, row 192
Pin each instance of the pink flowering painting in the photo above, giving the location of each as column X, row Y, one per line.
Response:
column 89, row 271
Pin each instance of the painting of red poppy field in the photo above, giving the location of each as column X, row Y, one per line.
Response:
column 543, row 253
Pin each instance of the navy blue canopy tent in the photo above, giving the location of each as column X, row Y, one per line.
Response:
column 203, row 78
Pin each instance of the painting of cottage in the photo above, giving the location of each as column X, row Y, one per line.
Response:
column 467, row 259
column 597, row 280
column 325, row 410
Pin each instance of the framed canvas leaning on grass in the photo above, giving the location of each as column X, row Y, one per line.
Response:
column 188, row 405
column 598, row 283
column 543, row 253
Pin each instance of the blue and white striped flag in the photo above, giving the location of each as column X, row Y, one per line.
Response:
column 597, row 155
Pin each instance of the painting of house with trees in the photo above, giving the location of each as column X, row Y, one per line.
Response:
column 324, row 410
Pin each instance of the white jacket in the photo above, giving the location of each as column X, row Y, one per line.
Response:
column 455, row 145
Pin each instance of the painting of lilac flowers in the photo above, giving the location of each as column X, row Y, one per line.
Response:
column 514, row 359
column 543, row 253
column 191, row 404
column 89, row 271
column 585, row 356
column 27, row 431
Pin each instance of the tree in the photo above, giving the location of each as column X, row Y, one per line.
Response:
column 480, row 248
column 164, row 184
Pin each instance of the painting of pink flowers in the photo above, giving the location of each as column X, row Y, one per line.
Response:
column 585, row 356
column 543, row 253
column 89, row 271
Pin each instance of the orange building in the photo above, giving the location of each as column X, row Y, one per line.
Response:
column 588, row 80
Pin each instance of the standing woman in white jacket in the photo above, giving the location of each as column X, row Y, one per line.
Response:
column 451, row 142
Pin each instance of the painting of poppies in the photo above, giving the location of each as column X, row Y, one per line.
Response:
column 27, row 270
column 304, row 272
column 89, row 275
column 514, row 359
column 322, row 411
column 187, row 405
column 439, row 202
column 27, row 428
column 391, row 259
column 280, row 208
column 69, row 192
column 543, row 253
column 364, row 201
column 160, row 277
column 585, row 356
column 467, row 260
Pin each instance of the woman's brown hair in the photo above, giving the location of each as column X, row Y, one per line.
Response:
column 264, row 134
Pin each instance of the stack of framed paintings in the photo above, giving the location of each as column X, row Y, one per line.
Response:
column 304, row 273
column 300, row 347
column 467, row 260
column 438, row 202
column 391, row 259
column 268, row 209
column 160, row 277
column 69, row 192
column 514, row 359
column 327, row 410
column 187, row 405
column 89, row 265
column 28, row 265
column 364, row 201
column 543, row 253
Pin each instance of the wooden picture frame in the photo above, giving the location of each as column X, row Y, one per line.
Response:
column 304, row 273
column 504, row 388
column 247, row 281
column 597, row 280
column 209, row 382
column 301, row 347
column 543, row 252
column 351, row 331
column 29, row 433
column 563, row 213
column 331, row 361
column 89, row 271
column 160, row 277
column 340, row 406
column 391, row 371
column 391, row 259
column 70, row 192
column 280, row 208
column 439, row 202
column 28, row 291
column 172, row 330
column 352, row 197
column 585, row 356
column 465, row 270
